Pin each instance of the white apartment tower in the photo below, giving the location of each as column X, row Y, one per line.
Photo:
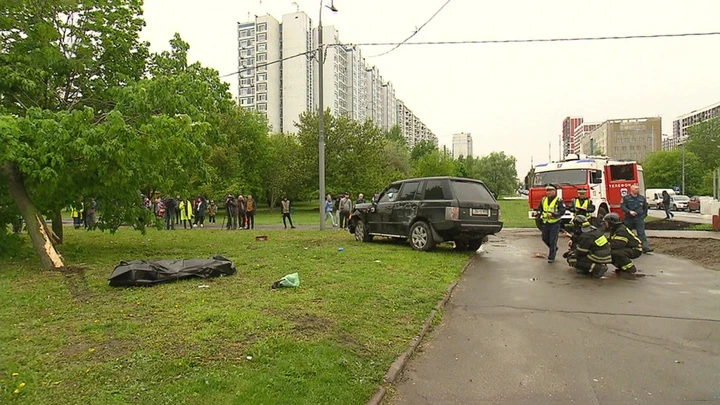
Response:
column 278, row 76
column 462, row 145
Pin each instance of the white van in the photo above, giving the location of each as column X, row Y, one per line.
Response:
column 654, row 196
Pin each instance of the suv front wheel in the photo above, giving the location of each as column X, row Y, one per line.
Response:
column 421, row 236
column 361, row 232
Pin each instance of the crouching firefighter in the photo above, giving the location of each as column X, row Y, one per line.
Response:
column 590, row 249
column 624, row 245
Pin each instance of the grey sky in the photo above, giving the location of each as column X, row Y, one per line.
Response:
column 511, row 97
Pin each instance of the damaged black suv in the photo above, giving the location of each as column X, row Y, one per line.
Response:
column 428, row 211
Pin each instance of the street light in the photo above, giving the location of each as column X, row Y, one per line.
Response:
column 321, row 111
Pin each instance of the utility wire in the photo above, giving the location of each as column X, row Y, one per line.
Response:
column 488, row 41
column 531, row 40
column 413, row 34
column 261, row 64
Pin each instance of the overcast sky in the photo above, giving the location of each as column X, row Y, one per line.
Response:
column 510, row 97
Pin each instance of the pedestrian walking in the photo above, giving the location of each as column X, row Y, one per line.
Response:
column 666, row 205
column 329, row 210
column 285, row 205
column 550, row 210
column 635, row 207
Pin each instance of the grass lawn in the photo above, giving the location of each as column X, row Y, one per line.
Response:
column 515, row 214
column 72, row 339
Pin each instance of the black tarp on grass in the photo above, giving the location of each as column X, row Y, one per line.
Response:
column 144, row 273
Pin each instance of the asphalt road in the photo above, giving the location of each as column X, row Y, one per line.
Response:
column 518, row 330
column 692, row 217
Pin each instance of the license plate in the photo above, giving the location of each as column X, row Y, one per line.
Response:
column 481, row 212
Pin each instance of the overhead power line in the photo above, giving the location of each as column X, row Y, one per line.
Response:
column 487, row 41
column 269, row 63
column 413, row 34
column 531, row 40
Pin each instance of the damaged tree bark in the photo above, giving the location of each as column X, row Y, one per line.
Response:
column 57, row 227
column 41, row 236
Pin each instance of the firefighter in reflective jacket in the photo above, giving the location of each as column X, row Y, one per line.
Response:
column 624, row 244
column 591, row 249
column 582, row 205
column 550, row 210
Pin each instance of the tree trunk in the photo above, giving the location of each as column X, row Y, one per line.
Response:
column 36, row 226
column 57, row 227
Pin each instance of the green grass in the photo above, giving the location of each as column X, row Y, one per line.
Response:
column 74, row 340
column 701, row 227
column 515, row 214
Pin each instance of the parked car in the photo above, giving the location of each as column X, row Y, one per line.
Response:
column 694, row 204
column 428, row 211
column 679, row 202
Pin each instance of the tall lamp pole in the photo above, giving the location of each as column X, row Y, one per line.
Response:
column 321, row 116
column 683, row 168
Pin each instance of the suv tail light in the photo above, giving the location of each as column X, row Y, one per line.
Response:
column 452, row 213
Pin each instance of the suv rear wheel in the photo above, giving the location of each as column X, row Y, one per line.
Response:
column 475, row 244
column 421, row 236
column 361, row 232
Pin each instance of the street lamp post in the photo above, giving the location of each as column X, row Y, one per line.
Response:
column 683, row 168
column 321, row 116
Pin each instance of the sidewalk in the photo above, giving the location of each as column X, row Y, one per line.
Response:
column 650, row 233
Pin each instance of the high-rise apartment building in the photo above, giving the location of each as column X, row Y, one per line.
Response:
column 278, row 75
column 625, row 139
column 581, row 131
column 462, row 145
column 414, row 130
column 683, row 122
column 568, row 134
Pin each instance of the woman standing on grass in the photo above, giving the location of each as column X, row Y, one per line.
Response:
column 329, row 210
column 186, row 213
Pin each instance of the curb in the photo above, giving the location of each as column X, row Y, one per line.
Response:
column 399, row 364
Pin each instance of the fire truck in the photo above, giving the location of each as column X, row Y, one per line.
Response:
column 606, row 180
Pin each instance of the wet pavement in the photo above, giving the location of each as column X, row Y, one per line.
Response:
column 692, row 217
column 519, row 330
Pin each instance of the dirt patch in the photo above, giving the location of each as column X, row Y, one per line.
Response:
column 705, row 252
column 77, row 283
column 310, row 325
column 668, row 225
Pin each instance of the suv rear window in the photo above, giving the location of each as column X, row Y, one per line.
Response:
column 437, row 190
column 471, row 191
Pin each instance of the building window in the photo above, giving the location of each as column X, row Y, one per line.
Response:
column 261, row 57
column 262, row 47
column 262, row 107
column 262, row 77
column 262, row 87
column 262, row 37
column 262, row 97
column 262, row 27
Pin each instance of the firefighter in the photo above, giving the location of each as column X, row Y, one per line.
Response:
column 624, row 245
column 550, row 210
column 591, row 249
column 582, row 205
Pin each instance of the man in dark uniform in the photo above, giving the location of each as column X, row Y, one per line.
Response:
column 635, row 207
column 624, row 245
column 591, row 249
column 582, row 205
column 550, row 210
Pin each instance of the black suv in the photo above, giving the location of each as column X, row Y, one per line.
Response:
column 428, row 211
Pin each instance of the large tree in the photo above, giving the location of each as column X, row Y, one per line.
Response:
column 85, row 113
column 704, row 142
column 663, row 169
column 497, row 171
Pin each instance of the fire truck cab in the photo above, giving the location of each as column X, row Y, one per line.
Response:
column 606, row 180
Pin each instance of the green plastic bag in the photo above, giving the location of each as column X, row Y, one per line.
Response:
column 290, row 280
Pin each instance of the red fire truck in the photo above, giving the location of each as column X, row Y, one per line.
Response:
column 606, row 181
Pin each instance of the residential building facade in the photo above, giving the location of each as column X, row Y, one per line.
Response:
column 462, row 145
column 278, row 75
column 582, row 131
column 683, row 122
column 411, row 127
column 568, row 134
column 625, row 139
